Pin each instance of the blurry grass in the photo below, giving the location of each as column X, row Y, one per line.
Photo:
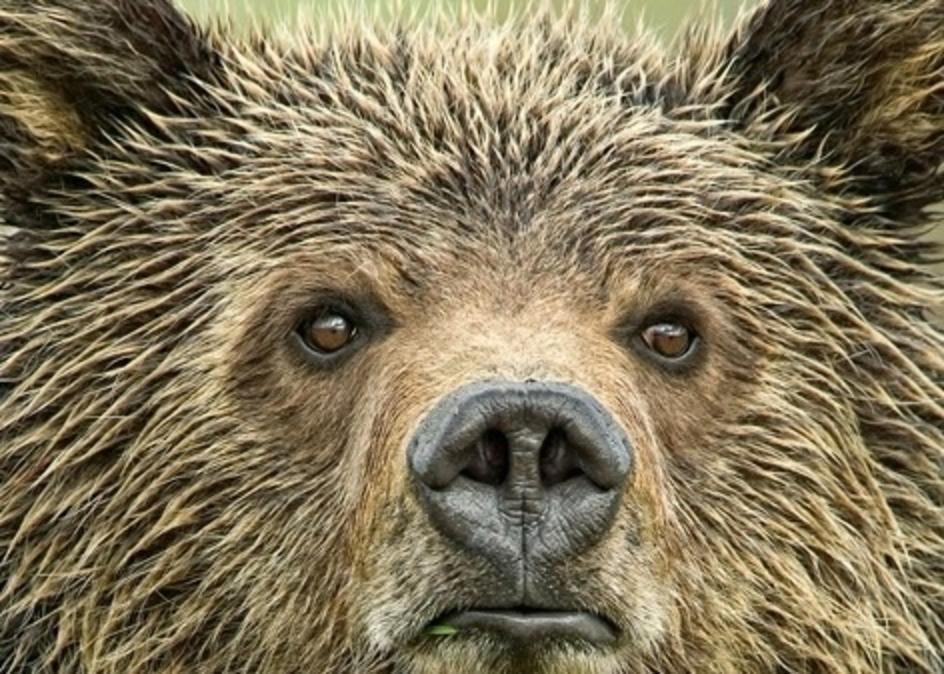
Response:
column 662, row 16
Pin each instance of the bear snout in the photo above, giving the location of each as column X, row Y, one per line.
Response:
column 524, row 474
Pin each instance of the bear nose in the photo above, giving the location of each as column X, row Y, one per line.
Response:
column 504, row 467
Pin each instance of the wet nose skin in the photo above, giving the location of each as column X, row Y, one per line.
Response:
column 521, row 473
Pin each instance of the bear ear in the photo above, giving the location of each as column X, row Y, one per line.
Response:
column 70, row 70
column 850, row 84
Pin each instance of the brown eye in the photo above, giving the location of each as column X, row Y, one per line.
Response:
column 669, row 340
column 328, row 332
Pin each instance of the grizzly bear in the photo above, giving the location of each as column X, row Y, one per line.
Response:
column 471, row 346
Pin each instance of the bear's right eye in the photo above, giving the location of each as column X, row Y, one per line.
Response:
column 327, row 332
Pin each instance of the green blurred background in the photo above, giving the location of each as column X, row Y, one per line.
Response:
column 663, row 16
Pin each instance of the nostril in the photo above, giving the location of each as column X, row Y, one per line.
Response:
column 558, row 460
column 488, row 459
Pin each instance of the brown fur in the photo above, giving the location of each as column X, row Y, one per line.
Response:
column 181, row 491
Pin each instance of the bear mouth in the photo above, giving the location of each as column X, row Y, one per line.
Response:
column 523, row 625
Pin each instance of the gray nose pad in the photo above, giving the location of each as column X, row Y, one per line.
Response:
column 509, row 469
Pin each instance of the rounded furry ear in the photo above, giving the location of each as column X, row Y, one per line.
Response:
column 70, row 69
column 850, row 84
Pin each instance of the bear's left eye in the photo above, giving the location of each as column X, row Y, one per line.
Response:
column 669, row 340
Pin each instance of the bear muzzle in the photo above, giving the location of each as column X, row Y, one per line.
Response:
column 525, row 475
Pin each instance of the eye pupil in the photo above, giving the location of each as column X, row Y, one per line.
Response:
column 329, row 332
column 669, row 340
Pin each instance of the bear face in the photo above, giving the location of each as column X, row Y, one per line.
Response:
column 481, row 348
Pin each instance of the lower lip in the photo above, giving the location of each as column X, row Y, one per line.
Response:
column 535, row 625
